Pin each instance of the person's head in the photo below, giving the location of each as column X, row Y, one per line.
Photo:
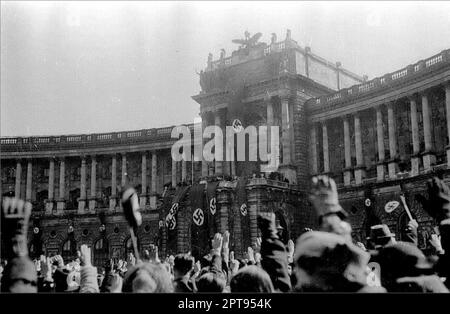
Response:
column 211, row 280
column 251, row 279
column 402, row 259
column 329, row 262
column 183, row 265
column 148, row 274
column 143, row 282
column 19, row 276
column 113, row 283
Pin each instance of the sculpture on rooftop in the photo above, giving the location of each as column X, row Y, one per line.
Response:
column 248, row 41
column 273, row 39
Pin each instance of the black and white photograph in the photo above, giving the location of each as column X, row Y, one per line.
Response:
column 240, row 149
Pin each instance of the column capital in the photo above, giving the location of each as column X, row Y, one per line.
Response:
column 413, row 97
column 323, row 123
column 446, row 84
column 267, row 98
column 356, row 114
column 344, row 118
column 60, row 158
column 425, row 93
column 379, row 107
column 390, row 104
column 284, row 94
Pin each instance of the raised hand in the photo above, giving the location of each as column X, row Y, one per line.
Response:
column 131, row 260
column 435, row 241
column 60, row 260
column 197, row 267
column 258, row 245
column 324, row 196
column 234, row 264
column 85, row 255
column 291, row 248
column 438, row 203
column 46, row 268
column 217, row 243
column 250, row 254
column 226, row 240
column 15, row 218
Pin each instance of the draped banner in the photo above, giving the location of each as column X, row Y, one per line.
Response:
column 241, row 198
column 199, row 223
column 212, row 208
column 171, row 209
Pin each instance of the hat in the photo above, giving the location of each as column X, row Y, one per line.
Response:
column 73, row 281
column 333, row 250
column 404, row 259
column 380, row 232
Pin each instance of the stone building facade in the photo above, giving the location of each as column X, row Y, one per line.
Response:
column 376, row 138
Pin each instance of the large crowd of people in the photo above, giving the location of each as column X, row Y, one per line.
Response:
column 323, row 260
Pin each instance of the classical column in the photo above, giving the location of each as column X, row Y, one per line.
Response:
column 313, row 149
column 61, row 202
column 29, row 180
column 112, row 199
column 415, row 161
column 428, row 156
column 270, row 121
column 154, row 170
column 380, row 143
column 51, row 179
column 184, row 170
column 153, row 181
column 83, row 196
column 392, row 165
column 92, row 201
column 174, row 172
column 18, row 178
column 204, row 162
column 326, row 159
column 287, row 167
column 286, row 135
column 360, row 168
column 51, row 186
column 447, row 109
column 124, row 170
column 347, row 152
column 143, row 197
column 218, row 163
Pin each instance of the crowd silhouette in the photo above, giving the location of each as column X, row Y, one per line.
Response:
column 322, row 260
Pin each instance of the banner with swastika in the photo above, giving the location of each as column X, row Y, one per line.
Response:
column 199, row 221
column 213, row 208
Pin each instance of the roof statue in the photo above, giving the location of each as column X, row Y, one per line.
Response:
column 273, row 39
column 248, row 41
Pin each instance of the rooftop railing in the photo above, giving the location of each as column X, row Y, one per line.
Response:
column 81, row 140
column 379, row 83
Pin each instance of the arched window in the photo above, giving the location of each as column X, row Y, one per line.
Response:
column 69, row 250
column 101, row 252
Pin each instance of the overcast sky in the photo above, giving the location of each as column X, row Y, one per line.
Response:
column 82, row 67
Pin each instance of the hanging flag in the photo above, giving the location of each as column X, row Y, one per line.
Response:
column 199, row 222
column 241, row 197
column 212, row 207
column 171, row 217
